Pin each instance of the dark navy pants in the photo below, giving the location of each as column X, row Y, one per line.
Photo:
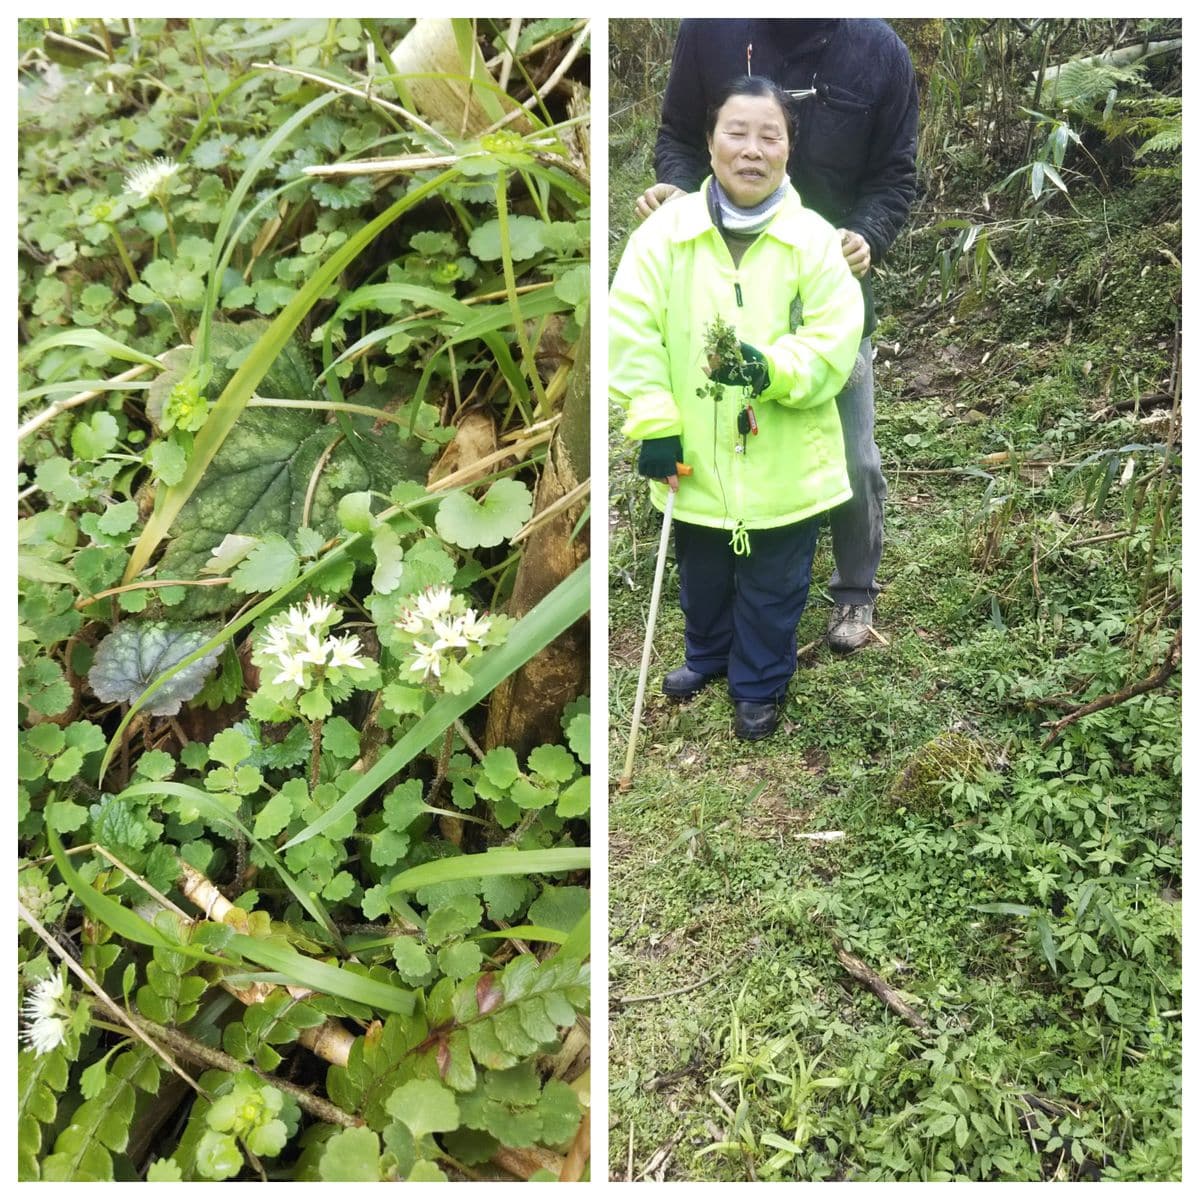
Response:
column 741, row 611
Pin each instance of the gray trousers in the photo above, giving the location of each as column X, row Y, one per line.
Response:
column 857, row 525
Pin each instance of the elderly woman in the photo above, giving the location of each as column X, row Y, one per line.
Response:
column 765, row 446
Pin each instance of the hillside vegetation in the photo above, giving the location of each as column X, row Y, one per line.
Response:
column 1002, row 766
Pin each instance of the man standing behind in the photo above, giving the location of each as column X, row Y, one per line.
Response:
column 853, row 160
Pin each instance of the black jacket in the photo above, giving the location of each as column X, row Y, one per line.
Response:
column 854, row 157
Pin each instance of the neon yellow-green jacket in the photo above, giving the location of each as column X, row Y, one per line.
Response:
column 793, row 298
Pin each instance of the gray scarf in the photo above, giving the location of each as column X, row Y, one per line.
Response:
column 743, row 222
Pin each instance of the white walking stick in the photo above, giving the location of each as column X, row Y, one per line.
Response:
column 655, row 593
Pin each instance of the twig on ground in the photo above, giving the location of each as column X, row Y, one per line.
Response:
column 1156, row 679
column 861, row 973
column 662, row 1155
column 629, row 1157
column 679, row 991
column 140, row 1028
column 878, row 636
column 197, row 1052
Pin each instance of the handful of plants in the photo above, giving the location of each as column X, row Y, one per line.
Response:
column 723, row 349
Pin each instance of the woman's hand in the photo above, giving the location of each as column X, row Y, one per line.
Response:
column 752, row 372
column 856, row 252
column 655, row 197
column 658, row 459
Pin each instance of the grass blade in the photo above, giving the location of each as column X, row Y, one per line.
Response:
column 89, row 339
column 321, row 977
column 506, row 861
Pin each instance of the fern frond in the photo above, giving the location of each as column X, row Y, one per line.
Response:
column 1081, row 84
column 1167, row 139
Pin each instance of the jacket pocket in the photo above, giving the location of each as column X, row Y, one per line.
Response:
column 841, row 129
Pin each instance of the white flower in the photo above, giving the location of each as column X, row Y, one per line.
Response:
column 151, row 178
column 434, row 602
column 344, row 651
column 45, row 1010
column 297, row 623
column 277, row 642
column 449, row 634
column 293, row 672
column 474, row 628
column 426, row 660
column 316, row 650
column 43, row 1000
column 45, row 1033
column 410, row 621
column 319, row 612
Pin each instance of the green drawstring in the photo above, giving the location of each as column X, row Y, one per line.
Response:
column 740, row 539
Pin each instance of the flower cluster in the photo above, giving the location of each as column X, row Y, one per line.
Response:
column 46, row 1011
column 298, row 649
column 443, row 633
column 151, row 178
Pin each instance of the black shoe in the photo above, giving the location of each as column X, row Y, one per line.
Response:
column 683, row 683
column 752, row 720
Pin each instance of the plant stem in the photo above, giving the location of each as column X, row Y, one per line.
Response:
column 122, row 252
column 510, row 284
column 315, row 760
column 151, row 583
column 170, row 224
column 212, row 102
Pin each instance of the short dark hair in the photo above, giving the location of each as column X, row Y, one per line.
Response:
column 751, row 85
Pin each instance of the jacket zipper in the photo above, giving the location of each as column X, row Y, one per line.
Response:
column 738, row 456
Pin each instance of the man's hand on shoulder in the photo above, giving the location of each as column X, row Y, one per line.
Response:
column 655, row 197
column 856, row 252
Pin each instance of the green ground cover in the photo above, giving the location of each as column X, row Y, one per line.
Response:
column 303, row 888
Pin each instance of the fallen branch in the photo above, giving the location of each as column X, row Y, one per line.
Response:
column 61, row 406
column 861, row 973
column 526, row 1162
column 1111, row 699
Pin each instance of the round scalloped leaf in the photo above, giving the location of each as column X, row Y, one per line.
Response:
column 425, row 1106
column 500, row 766
column 553, row 763
column 526, row 237
column 469, row 523
column 133, row 656
column 351, row 1156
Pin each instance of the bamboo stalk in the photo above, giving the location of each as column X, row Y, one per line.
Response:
column 331, row 1041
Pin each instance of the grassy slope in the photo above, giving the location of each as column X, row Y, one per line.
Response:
column 989, row 602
